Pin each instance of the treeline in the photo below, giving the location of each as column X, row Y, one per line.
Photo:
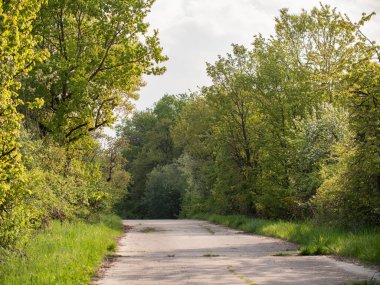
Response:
column 65, row 67
column 288, row 129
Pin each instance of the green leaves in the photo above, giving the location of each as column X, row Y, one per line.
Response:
column 17, row 56
column 289, row 128
column 150, row 146
column 164, row 190
column 89, row 58
column 99, row 52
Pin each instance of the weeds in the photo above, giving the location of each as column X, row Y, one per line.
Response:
column 282, row 254
column 148, row 230
column 210, row 231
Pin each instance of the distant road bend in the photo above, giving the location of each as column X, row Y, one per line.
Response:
column 198, row 252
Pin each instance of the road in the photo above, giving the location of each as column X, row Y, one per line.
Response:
column 198, row 252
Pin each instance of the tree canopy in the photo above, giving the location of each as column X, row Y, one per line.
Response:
column 99, row 51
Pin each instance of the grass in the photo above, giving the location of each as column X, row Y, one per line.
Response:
column 364, row 283
column 210, row 231
column 363, row 244
column 148, row 230
column 282, row 254
column 67, row 253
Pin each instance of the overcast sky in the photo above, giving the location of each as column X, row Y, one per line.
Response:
column 194, row 32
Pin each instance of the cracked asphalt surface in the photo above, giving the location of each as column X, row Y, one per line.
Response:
column 198, row 252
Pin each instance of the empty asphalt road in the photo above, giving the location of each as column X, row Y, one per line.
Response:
column 198, row 252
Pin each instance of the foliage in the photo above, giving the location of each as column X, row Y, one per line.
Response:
column 84, row 189
column 150, row 145
column 17, row 56
column 289, row 128
column 52, row 165
column 164, row 190
column 196, row 195
column 99, row 52
column 350, row 192
column 63, row 253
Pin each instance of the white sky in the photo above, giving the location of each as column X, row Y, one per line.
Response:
column 193, row 32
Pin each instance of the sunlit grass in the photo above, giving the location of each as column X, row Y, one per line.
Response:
column 362, row 244
column 67, row 253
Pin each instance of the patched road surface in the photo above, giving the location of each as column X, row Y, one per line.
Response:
column 198, row 252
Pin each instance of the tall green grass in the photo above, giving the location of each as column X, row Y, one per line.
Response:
column 67, row 253
column 362, row 244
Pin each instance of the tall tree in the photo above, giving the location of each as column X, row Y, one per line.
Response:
column 231, row 94
column 99, row 52
column 235, row 128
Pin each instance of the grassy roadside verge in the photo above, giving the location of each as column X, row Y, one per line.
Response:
column 363, row 244
column 67, row 253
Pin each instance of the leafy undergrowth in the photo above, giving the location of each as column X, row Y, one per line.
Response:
column 363, row 244
column 67, row 253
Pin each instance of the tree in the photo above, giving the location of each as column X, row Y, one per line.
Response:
column 17, row 56
column 350, row 192
column 150, row 145
column 193, row 134
column 113, row 155
column 231, row 94
column 235, row 129
column 164, row 190
column 324, row 42
column 99, row 52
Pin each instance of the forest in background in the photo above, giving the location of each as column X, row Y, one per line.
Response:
column 289, row 129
